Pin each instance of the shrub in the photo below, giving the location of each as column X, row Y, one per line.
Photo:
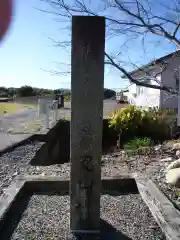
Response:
column 137, row 143
column 130, row 122
column 127, row 118
column 156, row 123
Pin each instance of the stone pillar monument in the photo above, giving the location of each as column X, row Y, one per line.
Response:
column 87, row 86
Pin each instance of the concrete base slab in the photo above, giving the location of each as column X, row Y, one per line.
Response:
column 7, row 140
column 15, row 200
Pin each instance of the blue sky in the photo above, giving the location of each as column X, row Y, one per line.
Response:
column 27, row 50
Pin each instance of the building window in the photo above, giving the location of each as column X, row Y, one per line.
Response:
column 140, row 90
column 137, row 90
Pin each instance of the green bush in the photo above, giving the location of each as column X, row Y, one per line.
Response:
column 26, row 91
column 156, row 123
column 137, row 143
column 127, row 118
column 131, row 122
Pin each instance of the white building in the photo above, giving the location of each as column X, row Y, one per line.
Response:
column 169, row 77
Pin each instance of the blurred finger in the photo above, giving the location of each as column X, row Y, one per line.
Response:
column 5, row 16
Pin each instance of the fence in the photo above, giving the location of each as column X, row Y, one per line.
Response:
column 49, row 110
column 33, row 100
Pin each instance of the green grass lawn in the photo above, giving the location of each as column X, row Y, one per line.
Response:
column 8, row 108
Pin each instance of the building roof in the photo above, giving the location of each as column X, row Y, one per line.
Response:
column 159, row 60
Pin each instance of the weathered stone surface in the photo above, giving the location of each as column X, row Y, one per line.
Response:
column 87, row 92
column 167, row 145
column 176, row 146
column 158, row 147
column 174, row 164
column 173, row 177
column 56, row 149
column 168, row 159
column 178, row 153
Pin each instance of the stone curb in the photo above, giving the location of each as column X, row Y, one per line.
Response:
column 38, row 137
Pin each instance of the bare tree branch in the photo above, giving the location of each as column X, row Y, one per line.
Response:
column 139, row 83
column 176, row 29
column 131, row 20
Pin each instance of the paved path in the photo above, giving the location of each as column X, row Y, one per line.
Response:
column 15, row 121
column 109, row 106
column 7, row 140
column 11, row 120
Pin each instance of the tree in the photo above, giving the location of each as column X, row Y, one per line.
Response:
column 26, row 91
column 12, row 92
column 57, row 91
column 130, row 21
column 109, row 93
column 3, row 92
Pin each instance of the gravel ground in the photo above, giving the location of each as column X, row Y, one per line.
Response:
column 47, row 217
column 112, row 165
column 14, row 162
column 128, row 214
column 151, row 165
